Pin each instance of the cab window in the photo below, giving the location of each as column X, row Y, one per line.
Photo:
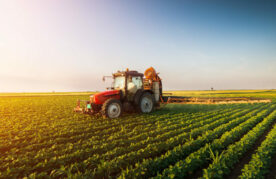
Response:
column 119, row 82
column 137, row 81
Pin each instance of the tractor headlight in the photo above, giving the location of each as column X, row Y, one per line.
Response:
column 88, row 106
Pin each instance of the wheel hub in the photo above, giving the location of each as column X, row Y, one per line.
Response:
column 146, row 105
column 114, row 110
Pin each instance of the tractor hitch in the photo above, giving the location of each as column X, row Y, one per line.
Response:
column 86, row 108
column 80, row 109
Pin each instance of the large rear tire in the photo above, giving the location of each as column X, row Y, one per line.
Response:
column 146, row 103
column 112, row 108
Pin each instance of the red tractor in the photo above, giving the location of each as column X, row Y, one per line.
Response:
column 131, row 91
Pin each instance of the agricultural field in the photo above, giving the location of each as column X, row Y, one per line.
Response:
column 41, row 137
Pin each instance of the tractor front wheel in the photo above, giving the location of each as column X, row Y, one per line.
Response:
column 112, row 108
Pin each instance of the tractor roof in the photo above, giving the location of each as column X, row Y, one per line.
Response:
column 127, row 73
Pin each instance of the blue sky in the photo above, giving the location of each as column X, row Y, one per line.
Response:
column 195, row 45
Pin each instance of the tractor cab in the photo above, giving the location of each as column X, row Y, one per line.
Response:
column 128, row 82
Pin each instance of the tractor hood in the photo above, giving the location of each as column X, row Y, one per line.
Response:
column 100, row 98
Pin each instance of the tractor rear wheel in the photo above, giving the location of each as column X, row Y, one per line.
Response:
column 146, row 103
column 112, row 108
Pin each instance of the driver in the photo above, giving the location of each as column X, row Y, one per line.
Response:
column 131, row 87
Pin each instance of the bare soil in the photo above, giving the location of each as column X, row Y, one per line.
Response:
column 272, row 173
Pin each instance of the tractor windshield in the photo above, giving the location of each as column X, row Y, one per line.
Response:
column 119, row 82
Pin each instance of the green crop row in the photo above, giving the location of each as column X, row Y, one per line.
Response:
column 116, row 165
column 83, row 133
column 44, row 154
column 234, row 152
column 150, row 167
column 46, row 163
column 260, row 162
column 197, row 159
